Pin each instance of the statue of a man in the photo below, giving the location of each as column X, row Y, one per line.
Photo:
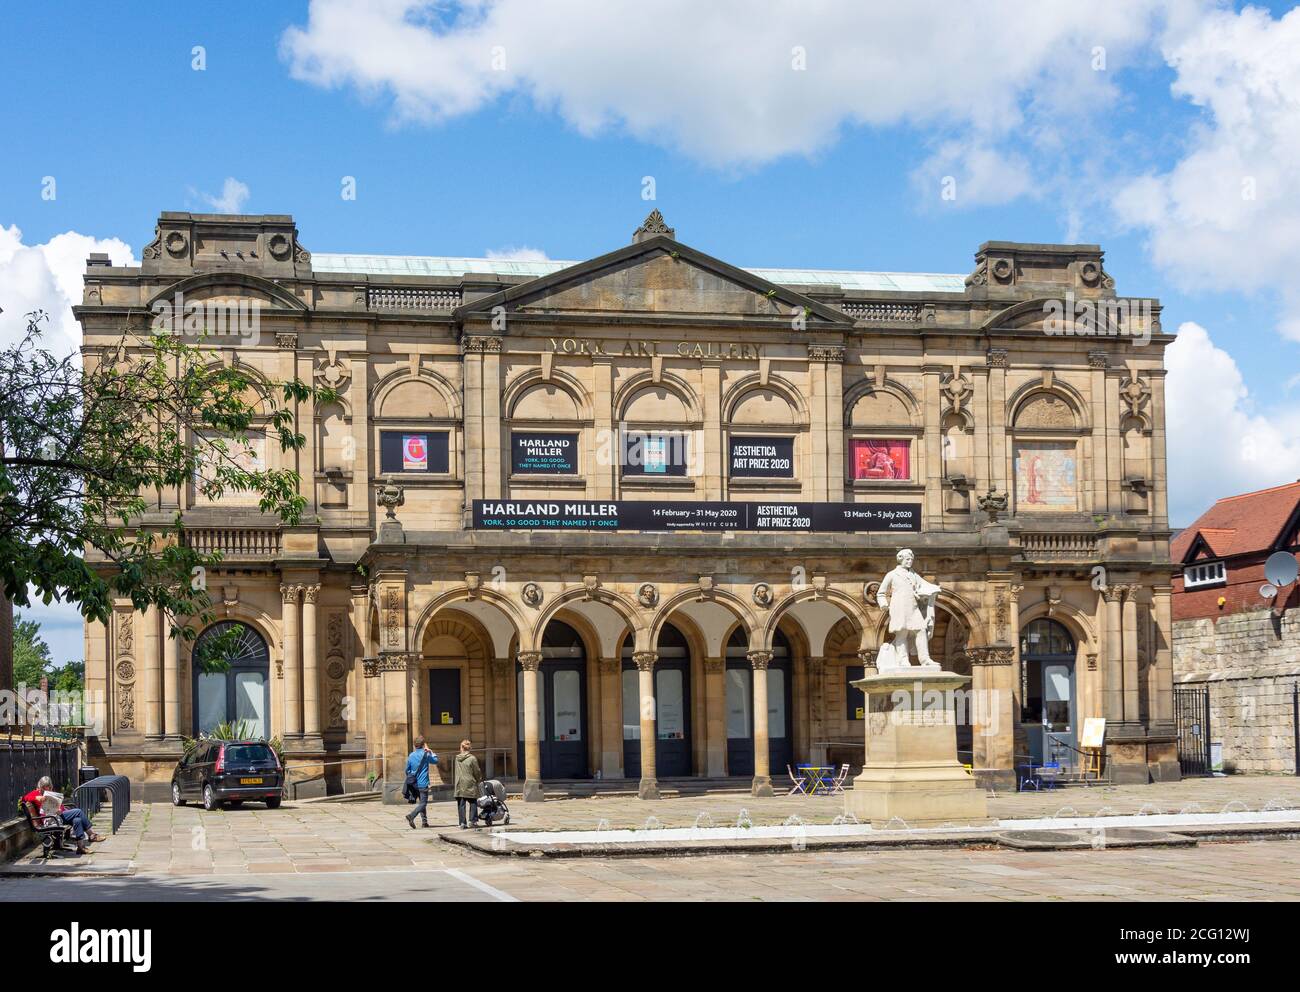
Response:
column 910, row 602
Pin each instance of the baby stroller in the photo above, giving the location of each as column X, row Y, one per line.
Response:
column 492, row 802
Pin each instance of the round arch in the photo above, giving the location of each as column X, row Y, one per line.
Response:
column 561, row 380
column 450, row 396
column 667, row 380
column 1059, row 389
column 777, row 384
column 891, row 387
column 725, row 599
column 630, row 615
column 464, row 594
column 847, row 604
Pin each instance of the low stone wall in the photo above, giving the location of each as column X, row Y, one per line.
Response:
column 1250, row 661
column 16, row 836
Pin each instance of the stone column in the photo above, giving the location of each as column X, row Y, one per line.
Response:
column 310, row 667
column 531, row 662
column 645, row 665
column 611, row 717
column 817, row 710
column 152, row 676
column 1162, row 734
column 500, row 723
column 171, row 680
column 762, row 785
column 715, row 717
column 1113, row 688
column 292, row 662
column 1132, row 689
column 990, row 714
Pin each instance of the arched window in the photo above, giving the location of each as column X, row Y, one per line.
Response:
column 243, row 692
column 1046, row 637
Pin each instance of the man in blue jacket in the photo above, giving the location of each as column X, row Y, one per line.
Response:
column 417, row 765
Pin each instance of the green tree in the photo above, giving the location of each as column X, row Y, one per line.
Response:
column 31, row 653
column 86, row 447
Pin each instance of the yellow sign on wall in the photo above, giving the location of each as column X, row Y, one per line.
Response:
column 446, row 717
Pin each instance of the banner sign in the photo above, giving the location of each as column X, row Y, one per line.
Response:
column 492, row 514
column 762, row 457
column 532, row 452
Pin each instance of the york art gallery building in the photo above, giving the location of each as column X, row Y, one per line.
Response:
column 624, row 518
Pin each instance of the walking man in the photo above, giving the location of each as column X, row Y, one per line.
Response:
column 417, row 779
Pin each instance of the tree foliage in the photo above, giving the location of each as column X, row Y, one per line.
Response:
column 88, row 449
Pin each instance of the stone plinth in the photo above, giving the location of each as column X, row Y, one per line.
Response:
column 911, row 772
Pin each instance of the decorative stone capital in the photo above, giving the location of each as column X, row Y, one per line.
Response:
column 309, row 594
column 1114, row 593
column 714, row 666
column 1097, row 360
column 392, row 662
column 996, row 358
column 479, row 344
column 830, row 353
column 759, row 660
column 645, row 660
column 991, row 656
column 529, row 661
column 868, row 657
column 286, row 340
column 289, row 593
column 609, row 666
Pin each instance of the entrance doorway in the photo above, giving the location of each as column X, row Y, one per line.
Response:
column 561, row 702
column 672, row 676
column 239, row 695
column 740, row 705
column 1047, row 692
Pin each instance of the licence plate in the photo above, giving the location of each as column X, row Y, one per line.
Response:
column 250, row 781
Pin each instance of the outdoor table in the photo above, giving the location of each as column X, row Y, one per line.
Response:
column 817, row 778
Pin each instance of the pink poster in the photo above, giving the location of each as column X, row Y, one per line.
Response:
column 885, row 459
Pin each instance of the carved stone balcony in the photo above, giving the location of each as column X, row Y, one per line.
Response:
column 235, row 542
column 410, row 299
column 1058, row 546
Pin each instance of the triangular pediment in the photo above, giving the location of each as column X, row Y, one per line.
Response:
column 658, row 277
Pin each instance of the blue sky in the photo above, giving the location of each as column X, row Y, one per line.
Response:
column 837, row 164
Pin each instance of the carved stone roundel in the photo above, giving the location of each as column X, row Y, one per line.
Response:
column 335, row 669
column 125, row 671
column 278, row 246
column 532, row 594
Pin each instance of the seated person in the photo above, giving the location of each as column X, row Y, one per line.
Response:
column 77, row 819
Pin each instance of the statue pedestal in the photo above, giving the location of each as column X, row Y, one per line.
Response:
column 912, row 773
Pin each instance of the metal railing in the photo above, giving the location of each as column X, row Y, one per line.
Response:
column 90, row 796
column 28, row 754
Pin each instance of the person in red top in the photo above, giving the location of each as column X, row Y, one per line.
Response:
column 71, row 815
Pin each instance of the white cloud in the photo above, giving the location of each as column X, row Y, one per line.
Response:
column 521, row 254
column 234, row 195
column 1227, row 216
column 1220, row 441
column 48, row 277
column 719, row 80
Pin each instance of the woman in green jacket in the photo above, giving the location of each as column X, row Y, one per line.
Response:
column 466, row 782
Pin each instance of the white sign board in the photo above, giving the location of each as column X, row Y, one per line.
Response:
column 1094, row 731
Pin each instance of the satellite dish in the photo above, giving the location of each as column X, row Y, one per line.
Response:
column 1268, row 590
column 1281, row 568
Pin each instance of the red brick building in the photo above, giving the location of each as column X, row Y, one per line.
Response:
column 1219, row 559
column 1241, row 648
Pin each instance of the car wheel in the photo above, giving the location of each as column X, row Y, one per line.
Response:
column 507, row 819
column 273, row 803
column 177, row 798
column 210, row 798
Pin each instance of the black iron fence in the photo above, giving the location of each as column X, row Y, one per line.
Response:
column 1192, row 717
column 26, row 757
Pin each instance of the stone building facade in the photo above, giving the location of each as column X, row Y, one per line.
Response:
column 622, row 517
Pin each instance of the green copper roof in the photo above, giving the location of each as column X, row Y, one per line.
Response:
column 422, row 265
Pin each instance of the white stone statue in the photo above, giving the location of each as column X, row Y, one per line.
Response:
column 910, row 602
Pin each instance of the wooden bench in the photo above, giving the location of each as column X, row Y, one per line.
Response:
column 51, row 829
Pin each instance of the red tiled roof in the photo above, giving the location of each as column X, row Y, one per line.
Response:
column 1237, row 525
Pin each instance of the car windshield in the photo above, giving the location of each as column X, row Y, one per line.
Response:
column 248, row 754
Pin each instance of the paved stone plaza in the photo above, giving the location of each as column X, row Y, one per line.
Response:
column 365, row 851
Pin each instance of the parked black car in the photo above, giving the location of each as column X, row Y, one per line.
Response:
column 220, row 772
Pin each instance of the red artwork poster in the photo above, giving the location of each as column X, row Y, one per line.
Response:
column 882, row 459
column 415, row 453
